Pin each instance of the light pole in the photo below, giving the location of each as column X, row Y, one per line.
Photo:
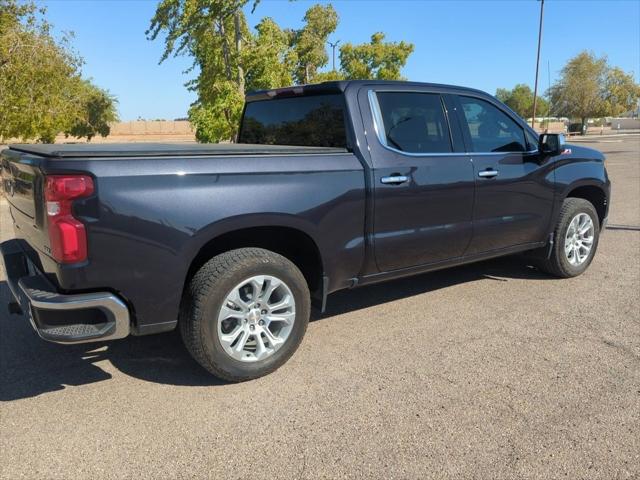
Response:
column 549, row 96
column 535, row 88
column 333, row 52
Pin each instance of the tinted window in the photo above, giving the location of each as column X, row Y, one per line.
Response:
column 532, row 140
column 491, row 129
column 414, row 122
column 316, row 121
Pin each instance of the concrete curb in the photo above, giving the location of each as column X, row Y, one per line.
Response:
column 586, row 138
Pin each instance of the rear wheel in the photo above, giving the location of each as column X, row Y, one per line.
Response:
column 576, row 239
column 245, row 313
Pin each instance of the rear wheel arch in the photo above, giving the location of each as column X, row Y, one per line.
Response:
column 292, row 243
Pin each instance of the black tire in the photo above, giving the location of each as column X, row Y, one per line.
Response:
column 204, row 297
column 557, row 264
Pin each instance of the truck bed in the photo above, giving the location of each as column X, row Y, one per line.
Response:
column 118, row 150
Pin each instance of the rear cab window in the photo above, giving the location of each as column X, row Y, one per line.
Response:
column 310, row 120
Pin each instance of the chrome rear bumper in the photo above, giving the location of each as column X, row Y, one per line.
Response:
column 63, row 318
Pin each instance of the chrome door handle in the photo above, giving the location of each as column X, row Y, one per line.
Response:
column 394, row 179
column 488, row 173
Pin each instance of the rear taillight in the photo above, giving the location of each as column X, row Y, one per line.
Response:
column 67, row 235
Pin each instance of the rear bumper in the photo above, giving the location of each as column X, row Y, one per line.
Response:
column 62, row 318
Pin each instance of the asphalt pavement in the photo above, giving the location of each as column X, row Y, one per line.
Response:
column 491, row 370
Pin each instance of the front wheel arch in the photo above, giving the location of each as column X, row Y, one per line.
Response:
column 555, row 261
column 593, row 194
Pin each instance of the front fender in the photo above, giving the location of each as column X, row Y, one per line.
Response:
column 580, row 174
column 583, row 167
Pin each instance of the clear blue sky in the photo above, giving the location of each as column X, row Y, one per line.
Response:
column 482, row 44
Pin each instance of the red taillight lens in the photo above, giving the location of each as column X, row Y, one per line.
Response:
column 67, row 235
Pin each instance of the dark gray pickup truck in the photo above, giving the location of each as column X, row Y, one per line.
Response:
column 329, row 187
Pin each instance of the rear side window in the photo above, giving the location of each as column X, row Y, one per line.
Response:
column 491, row 130
column 314, row 121
column 413, row 122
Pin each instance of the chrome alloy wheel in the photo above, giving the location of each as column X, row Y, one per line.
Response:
column 256, row 318
column 579, row 239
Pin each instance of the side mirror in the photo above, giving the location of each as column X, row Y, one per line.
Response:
column 551, row 144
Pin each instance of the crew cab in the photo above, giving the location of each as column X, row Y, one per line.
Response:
column 329, row 187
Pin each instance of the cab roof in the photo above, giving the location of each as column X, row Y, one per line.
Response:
column 339, row 86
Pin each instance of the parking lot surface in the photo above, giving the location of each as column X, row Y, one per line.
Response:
column 491, row 370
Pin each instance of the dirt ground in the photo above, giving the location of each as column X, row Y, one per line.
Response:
column 491, row 370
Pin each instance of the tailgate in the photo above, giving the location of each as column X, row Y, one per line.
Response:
column 22, row 182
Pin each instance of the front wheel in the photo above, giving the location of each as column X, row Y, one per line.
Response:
column 576, row 239
column 245, row 313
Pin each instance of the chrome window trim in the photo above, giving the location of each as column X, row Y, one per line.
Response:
column 378, row 127
column 479, row 154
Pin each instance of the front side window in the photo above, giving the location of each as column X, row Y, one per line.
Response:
column 532, row 140
column 491, row 130
column 413, row 122
column 313, row 121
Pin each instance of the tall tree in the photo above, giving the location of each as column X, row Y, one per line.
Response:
column 621, row 92
column 269, row 59
column 310, row 41
column 212, row 32
column 520, row 100
column 41, row 90
column 232, row 59
column 589, row 87
column 579, row 91
column 375, row 60
column 95, row 110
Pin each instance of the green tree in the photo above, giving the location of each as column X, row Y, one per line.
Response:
column 520, row 100
column 375, row 60
column 621, row 92
column 309, row 43
column 269, row 60
column 212, row 32
column 329, row 76
column 34, row 70
column 579, row 91
column 231, row 59
column 95, row 110
column 589, row 87
column 40, row 78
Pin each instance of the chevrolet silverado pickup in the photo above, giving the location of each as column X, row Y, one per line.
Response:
column 328, row 187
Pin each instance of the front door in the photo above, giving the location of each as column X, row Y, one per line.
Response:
column 423, row 180
column 514, row 191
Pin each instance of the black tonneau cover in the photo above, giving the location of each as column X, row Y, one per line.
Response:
column 107, row 150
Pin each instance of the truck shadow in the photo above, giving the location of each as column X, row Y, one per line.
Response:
column 30, row 366
column 500, row 270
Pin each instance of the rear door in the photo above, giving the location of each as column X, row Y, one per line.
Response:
column 514, row 190
column 423, row 180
